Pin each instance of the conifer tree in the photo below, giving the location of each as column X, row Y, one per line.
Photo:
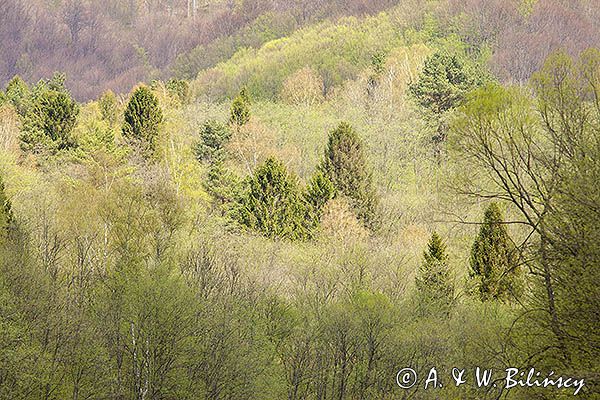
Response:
column 109, row 107
column 223, row 185
column 49, row 121
column 434, row 283
column 143, row 117
column 442, row 85
column 17, row 93
column 271, row 203
column 493, row 258
column 345, row 164
column 179, row 89
column 240, row 110
column 318, row 192
column 213, row 138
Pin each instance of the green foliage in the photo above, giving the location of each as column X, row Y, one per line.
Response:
column 97, row 136
column 269, row 26
column 378, row 62
column 272, row 203
column 319, row 191
column 142, row 120
column 434, row 282
column 15, row 346
column 179, row 89
column 345, row 164
column 521, row 141
column 223, row 185
column 568, row 93
column 17, row 93
column 240, row 109
column 337, row 51
column 109, row 107
column 444, row 82
column 213, row 138
column 126, row 285
column 56, row 83
column 493, row 259
column 49, row 121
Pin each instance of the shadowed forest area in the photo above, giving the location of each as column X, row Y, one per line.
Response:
column 264, row 199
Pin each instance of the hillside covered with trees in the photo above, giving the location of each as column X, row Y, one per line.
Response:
column 264, row 199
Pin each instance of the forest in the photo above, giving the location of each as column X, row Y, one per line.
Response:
column 302, row 199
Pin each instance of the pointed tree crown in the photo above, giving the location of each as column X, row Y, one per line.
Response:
column 271, row 204
column 240, row 109
column 142, row 118
column 345, row 164
column 493, row 257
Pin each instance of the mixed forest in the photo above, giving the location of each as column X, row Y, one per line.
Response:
column 264, row 199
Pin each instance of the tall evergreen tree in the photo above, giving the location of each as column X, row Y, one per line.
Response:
column 49, row 121
column 240, row 110
column 223, row 185
column 442, row 85
column 143, row 117
column 444, row 81
column 271, row 204
column 213, row 137
column 345, row 164
column 493, row 258
column 109, row 107
column 17, row 93
column 434, row 283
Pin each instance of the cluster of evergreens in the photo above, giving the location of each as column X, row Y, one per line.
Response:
column 303, row 230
